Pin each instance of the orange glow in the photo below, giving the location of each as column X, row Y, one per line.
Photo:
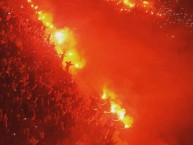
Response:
column 107, row 94
column 74, row 57
column 46, row 19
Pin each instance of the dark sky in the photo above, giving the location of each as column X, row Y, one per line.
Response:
column 150, row 67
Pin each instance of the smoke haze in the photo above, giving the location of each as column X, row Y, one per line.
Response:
column 150, row 66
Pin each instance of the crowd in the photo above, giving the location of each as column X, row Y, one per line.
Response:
column 39, row 101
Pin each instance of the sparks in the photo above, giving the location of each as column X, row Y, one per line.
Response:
column 144, row 6
column 128, row 3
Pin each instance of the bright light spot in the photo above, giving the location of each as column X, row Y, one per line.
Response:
column 113, row 108
column 104, row 96
column 145, row 2
column 60, row 37
column 129, row 3
column 45, row 18
column 36, row 7
column 121, row 114
column 70, row 54
column 107, row 94
column 39, row 12
column 77, row 65
column 128, row 121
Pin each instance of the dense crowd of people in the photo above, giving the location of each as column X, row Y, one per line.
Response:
column 39, row 101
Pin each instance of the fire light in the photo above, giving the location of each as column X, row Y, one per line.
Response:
column 145, row 2
column 143, row 5
column 107, row 94
column 65, row 44
column 73, row 56
column 60, row 37
column 116, row 108
column 46, row 19
column 63, row 39
column 129, row 3
column 104, row 96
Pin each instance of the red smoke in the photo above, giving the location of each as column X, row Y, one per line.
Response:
column 149, row 65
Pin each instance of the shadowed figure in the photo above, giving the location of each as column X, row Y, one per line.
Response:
column 68, row 64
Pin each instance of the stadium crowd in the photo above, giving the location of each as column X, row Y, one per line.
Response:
column 40, row 103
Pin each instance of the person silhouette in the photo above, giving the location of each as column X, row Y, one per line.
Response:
column 68, row 64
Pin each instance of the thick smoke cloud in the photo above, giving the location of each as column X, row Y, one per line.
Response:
column 150, row 67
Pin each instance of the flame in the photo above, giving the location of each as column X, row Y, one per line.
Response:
column 116, row 108
column 60, row 37
column 128, row 3
column 146, row 6
column 65, row 44
column 107, row 94
column 145, row 2
column 46, row 19
column 63, row 39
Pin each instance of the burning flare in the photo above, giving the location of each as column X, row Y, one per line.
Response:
column 65, row 45
column 63, row 39
column 59, row 37
column 116, row 108
column 128, row 3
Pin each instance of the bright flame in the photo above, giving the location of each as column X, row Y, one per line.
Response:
column 65, row 43
column 63, row 39
column 116, row 108
column 128, row 121
column 107, row 94
column 59, row 37
column 128, row 3
column 104, row 96
column 143, row 5
column 145, row 2
column 46, row 19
